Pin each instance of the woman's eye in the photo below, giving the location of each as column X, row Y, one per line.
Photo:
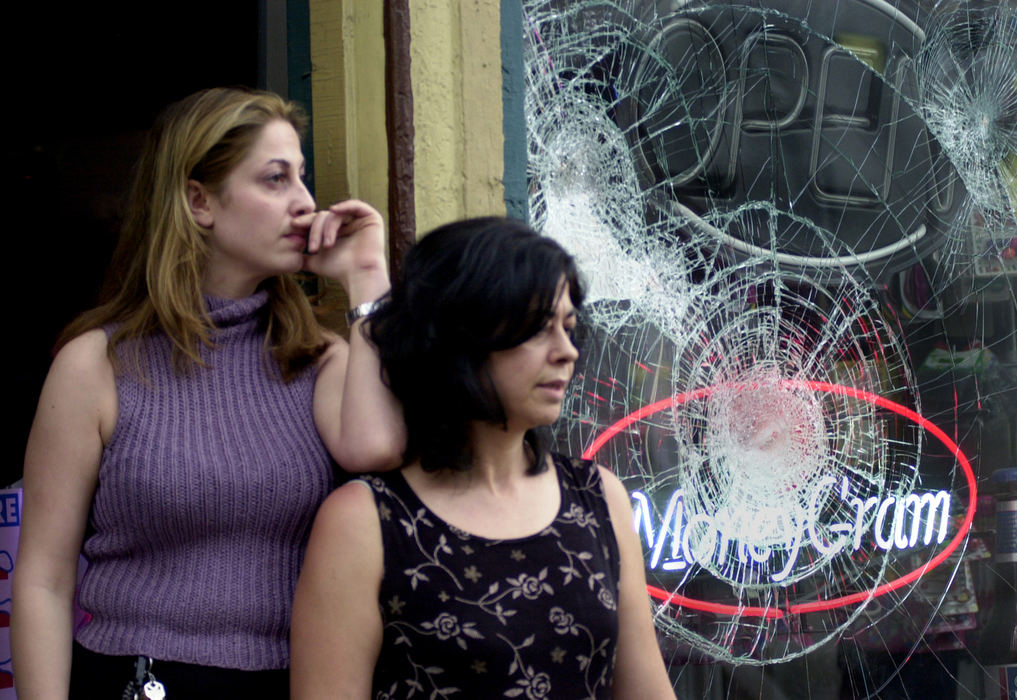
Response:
column 277, row 178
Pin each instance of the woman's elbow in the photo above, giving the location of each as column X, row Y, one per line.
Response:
column 364, row 454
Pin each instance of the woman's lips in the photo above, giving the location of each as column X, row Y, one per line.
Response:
column 297, row 237
column 556, row 387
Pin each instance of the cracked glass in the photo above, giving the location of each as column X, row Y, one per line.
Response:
column 796, row 221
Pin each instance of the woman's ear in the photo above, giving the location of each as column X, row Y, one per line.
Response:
column 198, row 201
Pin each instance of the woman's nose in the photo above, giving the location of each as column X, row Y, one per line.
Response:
column 565, row 348
column 304, row 201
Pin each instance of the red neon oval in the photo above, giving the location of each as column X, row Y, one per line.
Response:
column 818, row 605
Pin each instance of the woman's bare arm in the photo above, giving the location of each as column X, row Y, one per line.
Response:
column 358, row 418
column 336, row 631
column 639, row 669
column 76, row 414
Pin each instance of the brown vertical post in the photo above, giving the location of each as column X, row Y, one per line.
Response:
column 399, row 125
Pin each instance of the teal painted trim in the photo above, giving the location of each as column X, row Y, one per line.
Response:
column 513, row 85
column 298, row 67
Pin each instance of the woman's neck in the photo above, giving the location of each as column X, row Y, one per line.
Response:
column 499, row 457
column 496, row 497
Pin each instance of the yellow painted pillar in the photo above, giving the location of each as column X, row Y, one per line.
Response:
column 348, row 96
column 457, row 106
column 484, row 148
column 348, row 105
column 457, row 110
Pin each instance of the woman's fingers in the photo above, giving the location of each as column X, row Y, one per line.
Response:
column 345, row 240
column 353, row 209
column 325, row 228
column 304, row 220
column 316, row 237
column 308, row 223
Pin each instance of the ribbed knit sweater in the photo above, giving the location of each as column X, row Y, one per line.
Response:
column 207, row 491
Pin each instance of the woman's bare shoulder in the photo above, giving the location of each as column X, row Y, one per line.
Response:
column 85, row 352
column 613, row 487
column 82, row 370
column 349, row 507
column 82, row 384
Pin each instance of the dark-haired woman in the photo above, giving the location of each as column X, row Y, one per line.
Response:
column 487, row 567
column 188, row 425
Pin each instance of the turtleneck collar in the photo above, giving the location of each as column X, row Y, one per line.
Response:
column 226, row 313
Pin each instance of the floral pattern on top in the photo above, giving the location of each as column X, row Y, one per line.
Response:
column 469, row 617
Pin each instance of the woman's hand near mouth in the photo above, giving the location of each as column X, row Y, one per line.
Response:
column 346, row 243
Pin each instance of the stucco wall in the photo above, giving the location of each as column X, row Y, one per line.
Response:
column 456, row 67
column 348, row 91
column 457, row 103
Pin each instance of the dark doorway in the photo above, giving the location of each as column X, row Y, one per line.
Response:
column 86, row 83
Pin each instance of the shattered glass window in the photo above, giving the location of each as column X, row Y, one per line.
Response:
column 796, row 221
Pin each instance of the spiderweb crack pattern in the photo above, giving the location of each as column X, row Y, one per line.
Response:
column 738, row 182
column 967, row 96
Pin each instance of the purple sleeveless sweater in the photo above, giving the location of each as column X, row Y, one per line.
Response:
column 207, row 491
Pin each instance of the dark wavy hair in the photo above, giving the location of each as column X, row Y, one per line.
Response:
column 467, row 289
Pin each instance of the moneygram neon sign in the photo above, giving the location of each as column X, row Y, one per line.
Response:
column 897, row 521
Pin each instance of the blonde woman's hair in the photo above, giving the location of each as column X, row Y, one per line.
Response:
column 155, row 277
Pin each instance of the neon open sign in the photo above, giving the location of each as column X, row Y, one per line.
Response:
column 897, row 521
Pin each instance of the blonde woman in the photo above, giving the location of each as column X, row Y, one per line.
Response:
column 187, row 428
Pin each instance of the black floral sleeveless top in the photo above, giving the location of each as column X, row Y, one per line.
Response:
column 469, row 617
